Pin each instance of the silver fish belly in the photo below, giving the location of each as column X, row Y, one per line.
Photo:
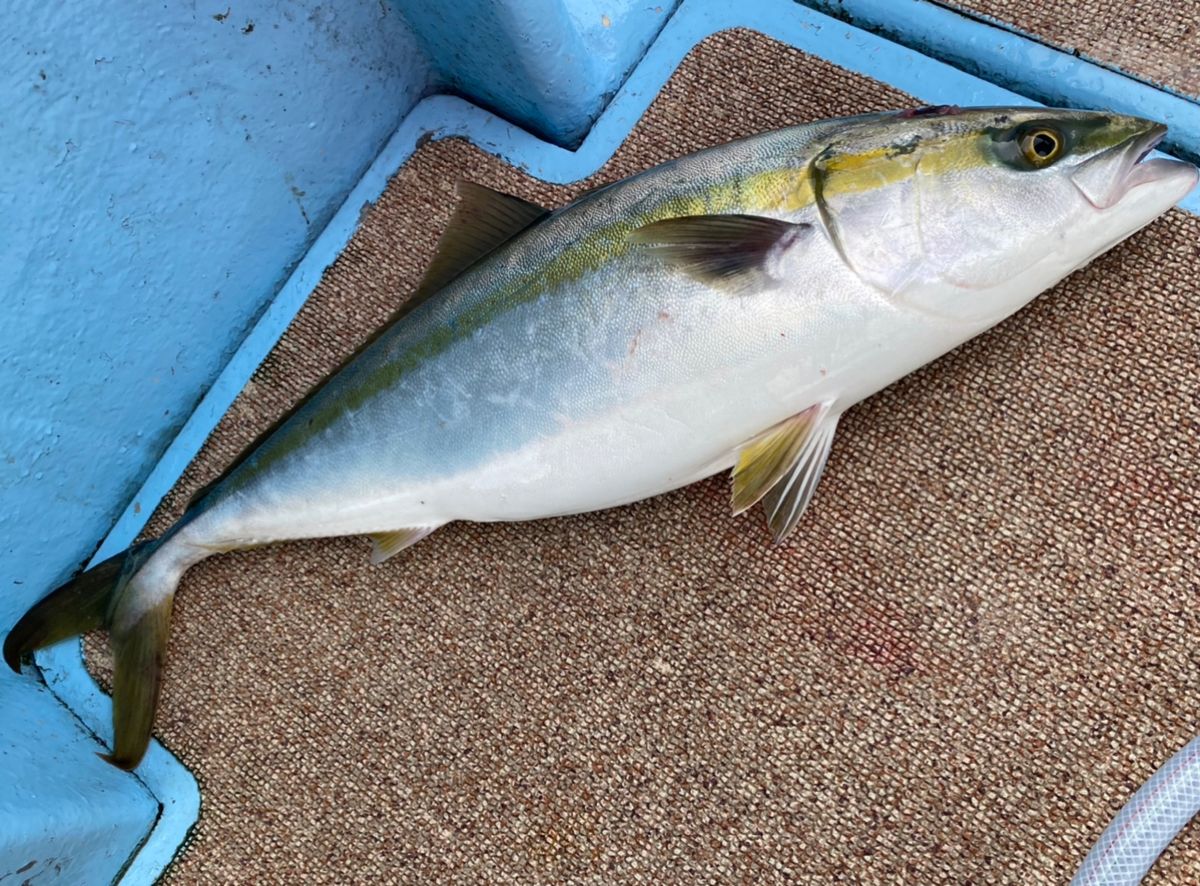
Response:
column 623, row 381
column 719, row 311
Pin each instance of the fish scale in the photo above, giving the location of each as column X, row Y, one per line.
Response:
column 719, row 311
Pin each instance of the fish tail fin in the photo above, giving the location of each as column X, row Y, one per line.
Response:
column 116, row 596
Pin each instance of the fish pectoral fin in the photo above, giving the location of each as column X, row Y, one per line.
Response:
column 764, row 461
column 786, row 501
column 731, row 252
column 385, row 545
column 483, row 220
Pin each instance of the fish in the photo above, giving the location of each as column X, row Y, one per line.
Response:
column 718, row 312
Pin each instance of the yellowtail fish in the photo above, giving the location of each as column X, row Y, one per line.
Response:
column 719, row 311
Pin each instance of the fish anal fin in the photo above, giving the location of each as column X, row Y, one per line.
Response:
column 786, row 501
column 385, row 545
column 731, row 252
column 483, row 220
column 766, row 459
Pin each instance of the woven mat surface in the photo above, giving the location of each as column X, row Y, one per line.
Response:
column 980, row 641
column 1157, row 41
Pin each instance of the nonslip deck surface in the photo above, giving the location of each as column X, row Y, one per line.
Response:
column 979, row 642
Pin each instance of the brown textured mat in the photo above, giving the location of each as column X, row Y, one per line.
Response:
column 1157, row 40
column 980, row 641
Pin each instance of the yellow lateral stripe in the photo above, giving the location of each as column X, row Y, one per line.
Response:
column 790, row 189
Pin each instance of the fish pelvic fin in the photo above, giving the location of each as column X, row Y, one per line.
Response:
column 115, row 596
column 768, row 458
column 790, row 497
column 385, row 545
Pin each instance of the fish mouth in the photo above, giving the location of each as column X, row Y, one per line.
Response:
column 1146, row 143
column 1108, row 178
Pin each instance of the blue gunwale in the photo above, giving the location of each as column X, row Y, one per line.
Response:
column 853, row 48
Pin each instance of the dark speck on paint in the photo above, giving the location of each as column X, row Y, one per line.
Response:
column 249, row 29
column 23, row 869
column 297, row 194
column 221, row 16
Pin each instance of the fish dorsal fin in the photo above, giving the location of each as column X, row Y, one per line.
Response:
column 387, row 544
column 787, row 500
column 483, row 220
column 731, row 252
column 764, row 461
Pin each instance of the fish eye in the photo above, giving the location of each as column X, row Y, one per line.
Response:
column 1041, row 146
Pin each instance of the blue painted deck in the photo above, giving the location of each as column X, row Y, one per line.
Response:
column 547, row 65
column 163, row 167
column 116, row 270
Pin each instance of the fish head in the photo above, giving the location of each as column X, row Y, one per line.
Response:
column 969, row 214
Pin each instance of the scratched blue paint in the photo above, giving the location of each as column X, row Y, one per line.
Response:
column 444, row 116
column 548, row 65
column 162, row 169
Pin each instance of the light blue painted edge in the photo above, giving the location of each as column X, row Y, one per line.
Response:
column 1005, row 55
column 548, row 65
column 443, row 117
